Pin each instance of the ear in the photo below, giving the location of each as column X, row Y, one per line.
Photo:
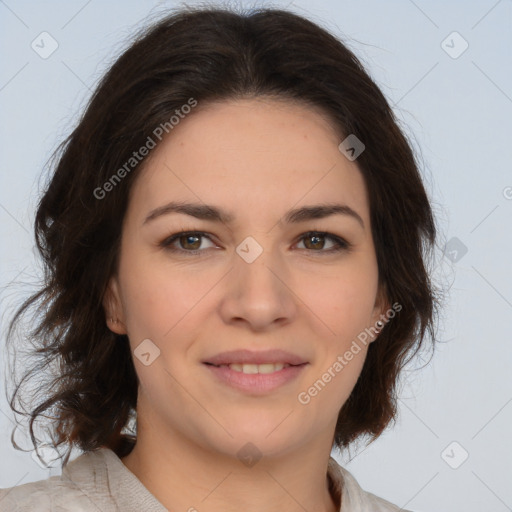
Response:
column 379, row 316
column 113, row 307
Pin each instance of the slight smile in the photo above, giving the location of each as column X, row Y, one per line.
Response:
column 256, row 372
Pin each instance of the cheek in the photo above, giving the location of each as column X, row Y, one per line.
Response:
column 330, row 384
column 345, row 301
column 159, row 300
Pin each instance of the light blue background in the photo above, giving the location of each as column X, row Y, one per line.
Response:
column 459, row 112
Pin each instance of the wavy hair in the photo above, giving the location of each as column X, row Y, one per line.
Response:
column 210, row 54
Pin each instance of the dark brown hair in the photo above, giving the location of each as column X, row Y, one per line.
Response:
column 211, row 54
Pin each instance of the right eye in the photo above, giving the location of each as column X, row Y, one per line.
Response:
column 190, row 242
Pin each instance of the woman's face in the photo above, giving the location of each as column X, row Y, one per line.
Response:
column 240, row 329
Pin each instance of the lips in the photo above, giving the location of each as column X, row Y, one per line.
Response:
column 257, row 368
column 256, row 373
column 252, row 358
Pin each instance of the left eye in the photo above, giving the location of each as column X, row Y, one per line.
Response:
column 314, row 241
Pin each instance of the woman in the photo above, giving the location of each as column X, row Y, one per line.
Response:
column 235, row 237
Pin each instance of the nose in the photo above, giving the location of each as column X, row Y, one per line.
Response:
column 259, row 293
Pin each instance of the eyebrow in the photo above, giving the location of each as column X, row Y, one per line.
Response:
column 214, row 214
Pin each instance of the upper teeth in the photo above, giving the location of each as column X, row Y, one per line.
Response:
column 257, row 368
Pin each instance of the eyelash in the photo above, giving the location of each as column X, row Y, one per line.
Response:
column 342, row 245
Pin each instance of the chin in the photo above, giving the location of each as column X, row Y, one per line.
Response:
column 270, row 438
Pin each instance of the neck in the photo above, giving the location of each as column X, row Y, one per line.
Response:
column 184, row 476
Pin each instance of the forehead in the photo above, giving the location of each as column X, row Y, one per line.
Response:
column 251, row 156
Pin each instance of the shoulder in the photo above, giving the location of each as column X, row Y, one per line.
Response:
column 44, row 495
column 64, row 493
column 353, row 497
column 96, row 481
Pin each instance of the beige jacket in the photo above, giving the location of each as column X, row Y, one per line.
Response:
column 98, row 481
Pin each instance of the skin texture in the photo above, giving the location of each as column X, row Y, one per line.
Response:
column 256, row 159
